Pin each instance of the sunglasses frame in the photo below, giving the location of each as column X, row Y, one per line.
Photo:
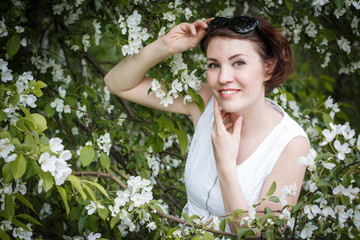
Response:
column 239, row 24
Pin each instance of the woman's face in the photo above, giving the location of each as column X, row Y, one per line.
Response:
column 235, row 73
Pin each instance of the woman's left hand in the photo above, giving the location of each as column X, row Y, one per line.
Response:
column 225, row 138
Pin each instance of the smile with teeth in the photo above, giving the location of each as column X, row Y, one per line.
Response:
column 228, row 92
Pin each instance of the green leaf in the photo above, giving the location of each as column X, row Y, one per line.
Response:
column 182, row 138
column 7, row 172
column 327, row 119
column 208, row 236
column 49, row 111
column 87, row 155
column 322, row 156
column 9, row 207
column 339, row 4
column 114, row 221
column 29, row 218
column 18, row 166
column 76, row 183
column 19, row 224
column 157, row 143
column 346, row 180
column 3, row 235
column 323, row 184
column 274, row 199
column 83, row 223
column 271, row 189
column 297, row 207
column 98, row 186
column 237, row 212
column 91, row 92
column 13, row 45
column 199, row 101
column 24, row 200
column 40, row 122
column 64, row 198
column 35, row 87
column 222, row 225
column 3, row 115
column 289, row 4
column 103, row 212
column 105, row 160
column 91, row 193
column 244, row 232
column 48, row 180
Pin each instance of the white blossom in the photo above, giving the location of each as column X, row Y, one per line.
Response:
column 93, row 236
column 344, row 44
column 55, row 145
column 308, row 230
column 3, row 29
column 309, row 160
column 342, row 149
column 19, row 29
column 86, row 42
column 92, row 207
column 58, row 104
column 6, row 147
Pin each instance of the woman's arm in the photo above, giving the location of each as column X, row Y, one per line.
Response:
column 127, row 79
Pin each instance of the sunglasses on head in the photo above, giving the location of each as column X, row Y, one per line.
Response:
column 238, row 24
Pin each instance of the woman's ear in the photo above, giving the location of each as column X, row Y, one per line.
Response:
column 269, row 68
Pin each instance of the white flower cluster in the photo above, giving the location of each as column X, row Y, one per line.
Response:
column 58, row 104
column 106, row 101
column 138, row 193
column 56, row 164
column 6, row 148
column 45, row 211
column 104, row 143
column 57, row 72
column 348, row 135
column 136, row 33
column 3, row 29
column 186, row 81
column 87, row 235
column 22, row 85
column 97, row 35
column 5, row 225
column 5, row 72
column 73, row 13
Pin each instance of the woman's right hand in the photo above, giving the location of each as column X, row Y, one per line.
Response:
column 185, row 36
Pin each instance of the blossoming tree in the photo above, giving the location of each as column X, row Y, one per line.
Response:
column 79, row 163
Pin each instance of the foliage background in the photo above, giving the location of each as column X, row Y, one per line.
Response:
column 69, row 148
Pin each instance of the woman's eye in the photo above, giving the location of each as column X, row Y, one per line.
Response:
column 239, row 63
column 213, row 65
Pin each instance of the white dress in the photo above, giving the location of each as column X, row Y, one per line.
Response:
column 204, row 196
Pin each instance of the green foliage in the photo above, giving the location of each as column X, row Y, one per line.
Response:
column 77, row 161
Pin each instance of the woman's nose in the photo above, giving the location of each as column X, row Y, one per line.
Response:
column 226, row 75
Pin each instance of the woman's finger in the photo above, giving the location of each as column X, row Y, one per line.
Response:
column 238, row 126
column 218, row 121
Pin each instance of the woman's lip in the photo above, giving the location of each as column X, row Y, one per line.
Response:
column 228, row 92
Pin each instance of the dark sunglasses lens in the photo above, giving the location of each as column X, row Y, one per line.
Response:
column 243, row 24
column 216, row 23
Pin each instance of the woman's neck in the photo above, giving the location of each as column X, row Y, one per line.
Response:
column 258, row 117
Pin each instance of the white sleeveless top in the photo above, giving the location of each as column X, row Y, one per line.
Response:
column 202, row 184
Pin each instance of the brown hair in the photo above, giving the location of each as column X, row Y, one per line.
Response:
column 280, row 55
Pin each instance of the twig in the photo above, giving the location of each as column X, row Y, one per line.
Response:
column 167, row 194
column 182, row 221
column 97, row 174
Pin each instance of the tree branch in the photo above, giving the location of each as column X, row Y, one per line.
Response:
column 97, row 174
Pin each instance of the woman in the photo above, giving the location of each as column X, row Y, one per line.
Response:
column 243, row 142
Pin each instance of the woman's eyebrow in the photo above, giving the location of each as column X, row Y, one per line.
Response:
column 230, row 58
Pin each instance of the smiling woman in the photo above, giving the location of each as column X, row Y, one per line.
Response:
column 243, row 142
